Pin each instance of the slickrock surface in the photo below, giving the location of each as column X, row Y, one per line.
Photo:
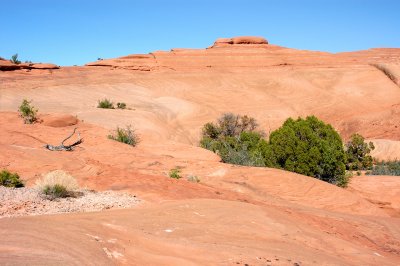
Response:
column 235, row 215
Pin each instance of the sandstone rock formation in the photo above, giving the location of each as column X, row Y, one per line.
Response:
column 240, row 40
column 6, row 65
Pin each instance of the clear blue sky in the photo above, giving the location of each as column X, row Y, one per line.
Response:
column 68, row 32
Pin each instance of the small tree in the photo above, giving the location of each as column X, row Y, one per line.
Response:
column 28, row 112
column 14, row 59
column 235, row 139
column 309, row 147
column 358, row 153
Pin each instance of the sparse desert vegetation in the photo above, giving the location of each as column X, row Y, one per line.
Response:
column 386, row 168
column 125, row 135
column 108, row 104
column 105, row 104
column 28, row 112
column 175, row 173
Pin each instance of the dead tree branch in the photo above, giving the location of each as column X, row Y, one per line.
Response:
column 63, row 147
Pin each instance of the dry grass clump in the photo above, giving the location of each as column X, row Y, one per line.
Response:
column 125, row 135
column 57, row 184
column 193, row 178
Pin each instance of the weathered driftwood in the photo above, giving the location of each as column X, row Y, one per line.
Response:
column 63, row 147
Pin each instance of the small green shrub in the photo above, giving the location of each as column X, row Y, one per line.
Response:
column 386, row 168
column 56, row 191
column 28, row 112
column 175, row 173
column 358, row 153
column 121, row 105
column 105, row 104
column 125, row 135
column 8, row 179
column 14, row 59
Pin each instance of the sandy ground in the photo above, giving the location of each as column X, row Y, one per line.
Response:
column 235, row 215
column 28, row 201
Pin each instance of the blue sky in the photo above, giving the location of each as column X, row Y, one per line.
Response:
column 68, row 32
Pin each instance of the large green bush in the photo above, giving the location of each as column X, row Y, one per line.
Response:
column 357, row 152
column 309, row 147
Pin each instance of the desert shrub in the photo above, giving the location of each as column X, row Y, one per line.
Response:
column 175, row 173
column 8, row 179
column 357, row 153
column 28, row 112
column 343, row 181
column 235, row 139
column 231, row 125
column 14, row 59
column 57, row 184
column 105, row 104
column 56, row 191
column 193, row 178
column 386, row 168
column 125, row 135
column 309, row 147
column 121, row 105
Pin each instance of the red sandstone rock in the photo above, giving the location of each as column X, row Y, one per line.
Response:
column 44, row 66
column 249, row 40
column 6, row 65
